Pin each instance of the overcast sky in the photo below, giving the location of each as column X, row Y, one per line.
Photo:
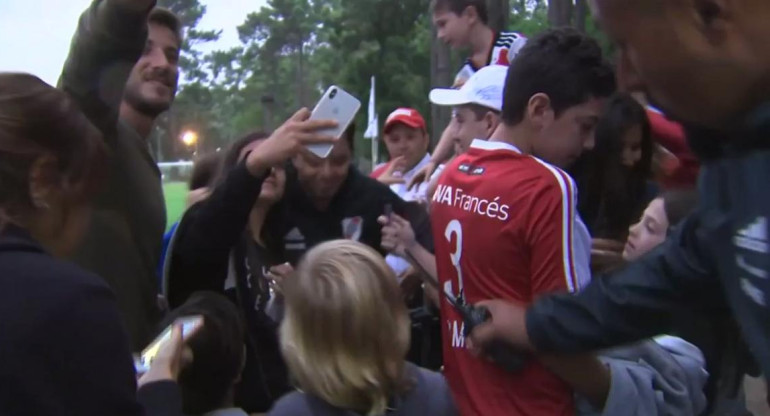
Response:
column 35, row 34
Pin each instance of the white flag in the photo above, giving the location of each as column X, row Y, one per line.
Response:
column 373, row 128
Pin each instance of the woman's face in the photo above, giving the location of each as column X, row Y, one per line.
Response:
column 632, row 147
column 273, row 186
column 648, row 233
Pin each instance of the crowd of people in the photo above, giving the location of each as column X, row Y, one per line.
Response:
column 560, row 202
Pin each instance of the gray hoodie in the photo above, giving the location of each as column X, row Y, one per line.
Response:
column 664, row 376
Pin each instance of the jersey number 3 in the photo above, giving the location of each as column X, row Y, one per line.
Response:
column 454, row 228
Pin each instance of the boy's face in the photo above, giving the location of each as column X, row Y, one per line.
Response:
column 561, row 140
column 451, row 28
column 407, row 142
column 468, row 126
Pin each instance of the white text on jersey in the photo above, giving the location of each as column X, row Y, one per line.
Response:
column 455, row 197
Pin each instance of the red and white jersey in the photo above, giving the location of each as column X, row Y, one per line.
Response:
column 503, row 225
column 505, row 47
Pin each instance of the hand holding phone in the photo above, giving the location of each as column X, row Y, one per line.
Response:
column 286, row 141
column 165, row 345
column 339, row 105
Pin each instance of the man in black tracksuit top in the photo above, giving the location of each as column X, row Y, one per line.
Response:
column 327, row 199
column 709, row 65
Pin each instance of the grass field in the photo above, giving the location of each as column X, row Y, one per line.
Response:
column 176, row 195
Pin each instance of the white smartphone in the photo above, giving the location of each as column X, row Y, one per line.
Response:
column 190, row 324
column 339, row 105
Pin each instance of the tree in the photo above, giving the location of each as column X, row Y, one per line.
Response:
column 499, row 11
column 192, row 64
column 560, row 12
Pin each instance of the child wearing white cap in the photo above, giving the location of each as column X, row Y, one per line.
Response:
column 476, row 109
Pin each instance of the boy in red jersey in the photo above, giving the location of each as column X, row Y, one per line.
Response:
column 503, row 218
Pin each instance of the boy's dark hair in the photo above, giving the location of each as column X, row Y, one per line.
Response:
column 458, row 7
column 564, row 64
column 218, row 352
column 204, row 171
column 165, row 17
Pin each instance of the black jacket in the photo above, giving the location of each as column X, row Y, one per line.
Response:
column 208, row 252
column 63, row 347
column 718, row 258
column 353, row 213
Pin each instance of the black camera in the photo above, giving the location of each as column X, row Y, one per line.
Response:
column 333, row 93
column 504, row 356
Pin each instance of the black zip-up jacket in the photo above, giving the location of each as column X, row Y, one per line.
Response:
column 297, row 225
column 63, row 348
column 718, row 257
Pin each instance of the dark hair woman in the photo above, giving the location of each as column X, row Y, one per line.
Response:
column 221, row 246
column 63, row 346
column 614, row 178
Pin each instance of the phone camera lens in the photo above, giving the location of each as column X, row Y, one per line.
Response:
column 333, row 93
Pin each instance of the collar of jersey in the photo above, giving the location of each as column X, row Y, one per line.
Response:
column 487, row 145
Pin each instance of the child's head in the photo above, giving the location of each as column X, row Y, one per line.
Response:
column 454, row 19
column 556, row 89
column 346, row 329
column 406, row 135
column 476, row 105
column 218, row 353
column 661, row 215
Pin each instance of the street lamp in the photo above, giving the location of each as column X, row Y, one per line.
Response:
column 190, row 139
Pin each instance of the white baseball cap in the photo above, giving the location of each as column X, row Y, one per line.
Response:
column 484, row 88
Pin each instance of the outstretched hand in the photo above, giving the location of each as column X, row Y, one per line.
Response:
column 393, row 174
column 286, row 141
column 422, row 175
column 507, row 324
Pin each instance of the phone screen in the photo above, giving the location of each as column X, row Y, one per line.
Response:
column 189, row 325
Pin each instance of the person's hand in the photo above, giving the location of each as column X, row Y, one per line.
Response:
column 172, row 357
column 197, row 195
column 422, row 175
column 296, row 133
column 606, row 254
column 507, row 324
column 393, row 174
column 397, row 234
column 277, row 275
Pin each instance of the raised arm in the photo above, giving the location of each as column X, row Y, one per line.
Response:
column 110, row 38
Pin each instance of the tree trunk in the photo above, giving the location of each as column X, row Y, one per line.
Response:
column 440, row 76
column 559, row 12
column 499, row 11
column 581, row 14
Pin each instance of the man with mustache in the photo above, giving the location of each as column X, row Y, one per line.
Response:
column 122, row 70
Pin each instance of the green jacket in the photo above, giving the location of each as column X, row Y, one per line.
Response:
column 123, row 242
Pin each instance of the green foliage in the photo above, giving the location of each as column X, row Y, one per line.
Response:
column 291, row 50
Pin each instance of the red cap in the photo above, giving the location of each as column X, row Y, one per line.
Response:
column 408, row 116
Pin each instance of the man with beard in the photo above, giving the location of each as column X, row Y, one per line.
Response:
column 709, row 65
column 122, row 70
